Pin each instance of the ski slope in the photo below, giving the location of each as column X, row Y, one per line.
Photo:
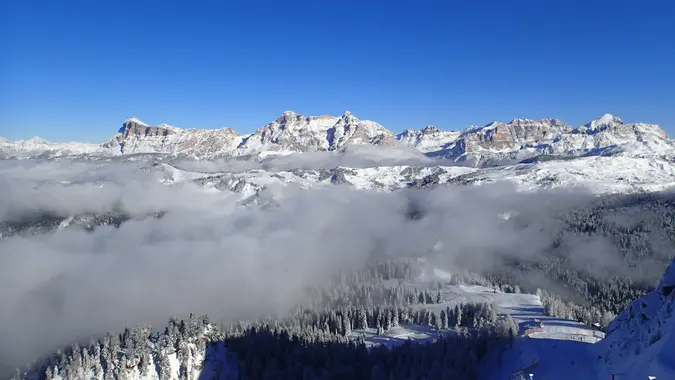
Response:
column 558, row 350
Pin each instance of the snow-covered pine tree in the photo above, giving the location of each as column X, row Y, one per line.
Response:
column 444, row 320
column 458, row 316
column 346, row 325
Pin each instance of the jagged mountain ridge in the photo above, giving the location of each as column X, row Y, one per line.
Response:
column 289, row 133
column 490, row 145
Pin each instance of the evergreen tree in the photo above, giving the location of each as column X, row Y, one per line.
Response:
column 346, row 325
column 458, row 316
column 444, row 320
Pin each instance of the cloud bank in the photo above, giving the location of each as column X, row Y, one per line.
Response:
column 354, row 156
column 209, row 255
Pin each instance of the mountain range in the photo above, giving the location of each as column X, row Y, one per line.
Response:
column 494, row 144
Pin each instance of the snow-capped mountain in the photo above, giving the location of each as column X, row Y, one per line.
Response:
column 521, row 139
column 36, row 147
column 494, row 144
column 138, row 137
column 640, row 341
column 289, row 133
column 293, row 132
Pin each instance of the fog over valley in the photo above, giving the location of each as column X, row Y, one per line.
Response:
column 95, row 246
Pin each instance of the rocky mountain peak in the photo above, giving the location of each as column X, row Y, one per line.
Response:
column 296, row 133
column 606, row 119
column 430, row 129
column 134, row 127
column 348, row 118
column 611, row 127
column 134, row 121
column 288, row 117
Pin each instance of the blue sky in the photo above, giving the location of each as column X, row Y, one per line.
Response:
column 74, row 70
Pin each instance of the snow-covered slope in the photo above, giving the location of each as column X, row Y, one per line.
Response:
column 641, row 340
column 617, row 174
column 601, row 175
column 429, row 139
column 639, row 343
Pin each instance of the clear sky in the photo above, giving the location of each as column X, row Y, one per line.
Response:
column 74, row 70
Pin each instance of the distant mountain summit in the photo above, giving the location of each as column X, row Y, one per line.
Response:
column 292, row 132
column 289, row 133
column 138, row 137
column 497, row 143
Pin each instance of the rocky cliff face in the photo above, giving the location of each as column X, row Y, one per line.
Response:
column 138, row 137
column 134, row 127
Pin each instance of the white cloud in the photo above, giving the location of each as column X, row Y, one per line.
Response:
column 208, row 255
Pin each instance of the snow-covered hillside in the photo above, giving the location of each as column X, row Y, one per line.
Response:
column 601, row 175
column 641, row 340
column 547, row 347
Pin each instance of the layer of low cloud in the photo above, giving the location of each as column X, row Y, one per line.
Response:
column 210, row 255
column 354, row 156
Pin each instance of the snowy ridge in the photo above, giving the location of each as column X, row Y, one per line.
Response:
column 38, row 147
column 640, row 340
